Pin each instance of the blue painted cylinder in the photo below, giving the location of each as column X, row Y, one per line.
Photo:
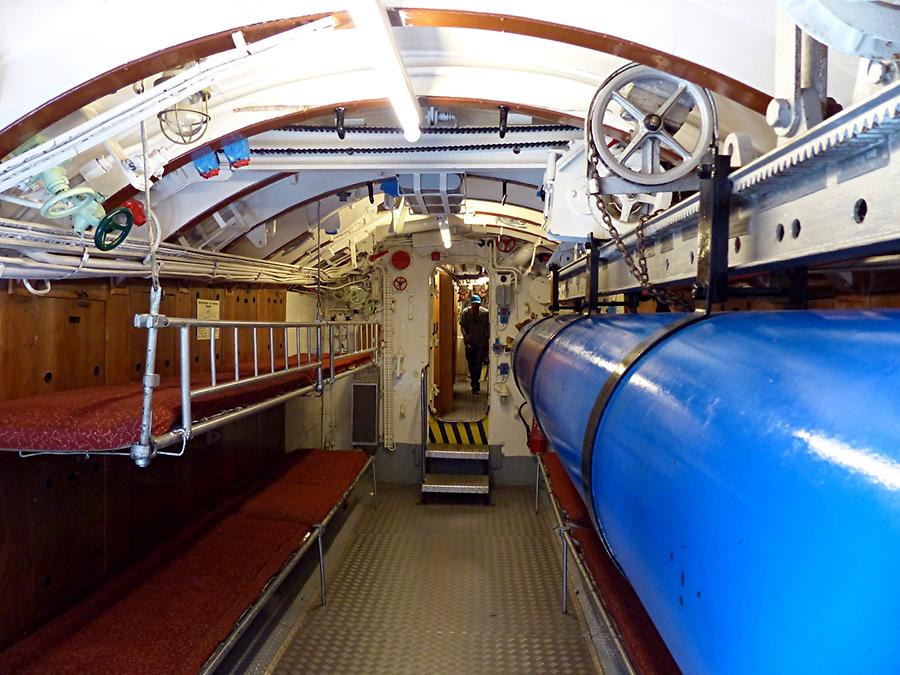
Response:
column 745, row 475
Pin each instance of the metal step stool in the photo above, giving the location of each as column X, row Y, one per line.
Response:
column 454, row 479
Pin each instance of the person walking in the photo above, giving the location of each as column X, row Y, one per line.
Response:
column 475, row 323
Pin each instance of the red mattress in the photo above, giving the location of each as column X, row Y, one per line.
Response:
column 641, row 640
column 169, row 612
column 109, row 417
column 308, row 489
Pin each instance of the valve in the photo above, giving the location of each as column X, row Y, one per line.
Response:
column 117, row 223
column 505, row 244
column 81, row 203
column 137, row 211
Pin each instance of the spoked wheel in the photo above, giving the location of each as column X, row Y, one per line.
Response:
column 69, row 202
column 668, row 124
column 627, row 209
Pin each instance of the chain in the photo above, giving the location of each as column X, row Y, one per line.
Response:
column 638, row 268
column 411, row 149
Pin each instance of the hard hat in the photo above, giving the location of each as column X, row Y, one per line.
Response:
column 476, row 298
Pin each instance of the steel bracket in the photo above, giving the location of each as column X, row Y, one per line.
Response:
column 711, row 285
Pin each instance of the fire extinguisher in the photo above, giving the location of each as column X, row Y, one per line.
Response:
column 537, row 442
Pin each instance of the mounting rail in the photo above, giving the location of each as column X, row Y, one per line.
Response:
column 824, row 196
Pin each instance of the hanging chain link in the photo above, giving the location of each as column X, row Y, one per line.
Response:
column 637, row 267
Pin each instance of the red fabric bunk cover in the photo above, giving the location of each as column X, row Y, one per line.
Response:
column 109, row 417
column 168, row 612
column 642, row 641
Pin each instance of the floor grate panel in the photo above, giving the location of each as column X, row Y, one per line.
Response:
column 444, row 588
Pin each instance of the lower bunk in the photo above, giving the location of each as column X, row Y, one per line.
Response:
column 182, row 606
column 611, row 593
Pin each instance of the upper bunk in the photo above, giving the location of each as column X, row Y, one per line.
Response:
column 195, row 375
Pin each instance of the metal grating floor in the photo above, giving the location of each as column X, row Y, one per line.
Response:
column 467, row 407
column 444, row 588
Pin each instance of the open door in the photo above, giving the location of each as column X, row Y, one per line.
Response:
column 444, row 349
column 455, row 400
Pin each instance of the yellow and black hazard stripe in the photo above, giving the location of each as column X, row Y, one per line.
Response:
column 458, row 433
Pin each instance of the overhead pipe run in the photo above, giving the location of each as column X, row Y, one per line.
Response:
column 744, row 472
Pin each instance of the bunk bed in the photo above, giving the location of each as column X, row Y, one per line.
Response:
column 183, row 605
column 141, row 419
column 625, row 617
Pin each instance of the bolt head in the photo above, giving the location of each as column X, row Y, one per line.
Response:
column 778, row 113
column 652, row 122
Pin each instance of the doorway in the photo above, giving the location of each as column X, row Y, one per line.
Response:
column 456, row 400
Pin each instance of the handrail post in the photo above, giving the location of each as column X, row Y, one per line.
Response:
column 212, row 356
column 237, row 356
column 331, row 352
column 255, row 353
column 320, row 381
column 141, row 451
column 185, row 356
column 424, row 392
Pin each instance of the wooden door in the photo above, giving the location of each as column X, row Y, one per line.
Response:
column 446, row 344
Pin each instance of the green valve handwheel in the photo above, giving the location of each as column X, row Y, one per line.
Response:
column 118, row 221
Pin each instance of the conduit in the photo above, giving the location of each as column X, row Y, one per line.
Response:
column 744, row 473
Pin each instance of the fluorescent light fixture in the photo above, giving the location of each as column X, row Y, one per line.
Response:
column 370, row 18
column 444, row 225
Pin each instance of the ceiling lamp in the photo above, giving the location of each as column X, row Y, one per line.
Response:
column 184, row 122
column 370, row 18
column 444, row 225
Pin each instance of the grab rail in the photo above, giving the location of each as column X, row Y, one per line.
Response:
column 344, row 339
column 423, row 390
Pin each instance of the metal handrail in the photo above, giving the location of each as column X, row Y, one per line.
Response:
column 345, row 339
column 423, row 387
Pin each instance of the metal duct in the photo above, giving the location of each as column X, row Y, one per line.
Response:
column 744, row 472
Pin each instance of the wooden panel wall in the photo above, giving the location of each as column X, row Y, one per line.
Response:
column 66, row 522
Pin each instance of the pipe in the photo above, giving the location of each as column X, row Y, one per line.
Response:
column 743, row 471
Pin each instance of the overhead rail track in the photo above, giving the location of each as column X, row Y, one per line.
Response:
column 818, row 198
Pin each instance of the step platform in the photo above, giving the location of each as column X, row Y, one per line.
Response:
column 456, row 483
column 476, row 452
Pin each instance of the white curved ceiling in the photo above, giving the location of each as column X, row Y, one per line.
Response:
column 733, row 38
column 330, row 67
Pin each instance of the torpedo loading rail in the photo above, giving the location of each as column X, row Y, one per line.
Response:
column 824, row 196
column 740, row 513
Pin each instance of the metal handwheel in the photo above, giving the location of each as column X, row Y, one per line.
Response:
column 671, row 124
column 117, row 223
column 68, row 202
